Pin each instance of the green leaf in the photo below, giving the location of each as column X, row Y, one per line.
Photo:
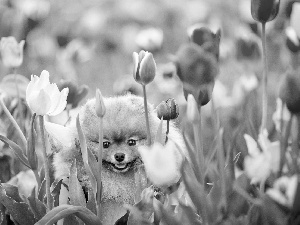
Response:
column 31, row 154
column 20, row 211
column 77, row 197
column 71, row 220
column 17, row 150
column 42, row 191
column 56, row 186
column 90, row 163
column 37, row 207
column 63, row 211
column 159, row 136
column 12, row 192
column 91, row 203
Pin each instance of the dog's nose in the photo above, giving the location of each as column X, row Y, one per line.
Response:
column 119, row 157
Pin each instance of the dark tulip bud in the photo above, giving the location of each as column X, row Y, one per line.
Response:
column 292, row 40
column 264, row 10
column 76, row 94
column 167, row 109
column 290, row 92
column 207, row 39
column 197, row 70
column 247, row 47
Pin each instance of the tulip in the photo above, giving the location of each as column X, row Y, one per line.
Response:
column 207, row 39
column 167, row 109
column 100, row 107
column 260, row 164
column 76, row 94
column 197, row 70
column 150, row 39
column 44, row 98
column 292, row 40
column 248, row 48
column 295, row 17
column 11, row 52
column 162, row 163
column 264, row 10
column 290, row 92
column 144, row 67
column 281, row 114
column 284, row 191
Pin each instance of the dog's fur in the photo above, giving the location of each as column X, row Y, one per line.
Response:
column 124, row 127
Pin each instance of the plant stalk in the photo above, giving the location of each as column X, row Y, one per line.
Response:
column 46, row 165
column 99, row 186
column 146, row 116
column 265, row 81
column 14, row 122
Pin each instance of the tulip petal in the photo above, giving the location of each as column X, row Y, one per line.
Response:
column 251, row 145
column 147, row 69
column 54, row 94
column 62, row 103
column 39, row 102
column 135, row 57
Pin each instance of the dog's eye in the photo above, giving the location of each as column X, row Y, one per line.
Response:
column 106, row 144
column 131, row 142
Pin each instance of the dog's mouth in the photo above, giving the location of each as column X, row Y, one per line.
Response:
column 121, row 167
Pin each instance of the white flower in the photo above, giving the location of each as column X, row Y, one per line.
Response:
column 162, row 163
column 281, row 111
column 44, row 98
column 11, row 52
column 284, row 190
column 259, row 164
column 295, row 17
column 150, row 39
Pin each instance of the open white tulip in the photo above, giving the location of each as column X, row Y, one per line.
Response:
column 162, row 163
column 44, row 98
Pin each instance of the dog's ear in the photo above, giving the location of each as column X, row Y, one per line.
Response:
column 61, row 136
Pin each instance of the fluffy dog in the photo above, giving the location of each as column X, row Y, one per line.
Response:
column 124, row 129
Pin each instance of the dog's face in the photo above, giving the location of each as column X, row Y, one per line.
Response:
column 124, row 129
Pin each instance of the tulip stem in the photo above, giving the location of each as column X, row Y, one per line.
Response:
column 265, row 80
column 19, row 112
column 146, row 116
column 14, row 122
column 99, row 185
column 46, row 164
column 197, row 128
column 38, row 179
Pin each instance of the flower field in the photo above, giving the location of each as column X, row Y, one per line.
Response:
column 149, row 112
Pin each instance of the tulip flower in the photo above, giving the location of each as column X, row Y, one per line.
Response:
column 167, row 109
column 144, row 72
column 284, row 191
column 207, row 39
column 292, row 40
column 100, row 107
column 44, row 98
column 197, row 70
column 144, row 67
column 162, row 163
column 11, row 52
column 260, row 164
column 264, row 10
column 290, row 92
column 281, row 114
column 248, row 48
column 76, row 94
column 295, row 17
column 150, row 39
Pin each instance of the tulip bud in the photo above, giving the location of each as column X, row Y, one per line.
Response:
column 11, row 52
column 31, row 154
column 204, row 37
column 76, row 94
column 292, row 40
column 192, row 112
column 99, row 106
column 264, row 10
column 248, row 48
column 167, row 109
column 144, row 67
column 290, row 92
